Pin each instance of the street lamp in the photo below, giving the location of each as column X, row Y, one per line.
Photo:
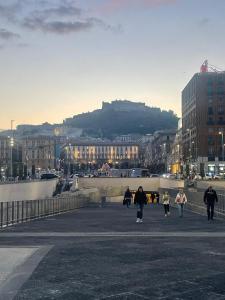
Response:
column 11, row 149
column 222, row 142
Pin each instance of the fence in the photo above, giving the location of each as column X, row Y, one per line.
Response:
column 23, row 211
column 196, row 203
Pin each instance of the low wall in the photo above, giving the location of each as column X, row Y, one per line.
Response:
column 217, row 184
column 31, row 190
column 148, row 184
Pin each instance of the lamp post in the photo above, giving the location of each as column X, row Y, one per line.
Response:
column 222, row 142
column 11, row 149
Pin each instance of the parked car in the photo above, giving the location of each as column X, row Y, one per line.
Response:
column 47, row 176
column 208, row 176
column 218, row 177
column 154, row 175
column 197, row 177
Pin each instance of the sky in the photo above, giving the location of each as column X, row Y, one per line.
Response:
column 59, row 58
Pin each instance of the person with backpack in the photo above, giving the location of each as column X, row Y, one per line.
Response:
column 140, row 199
column 166, row 203
column 181, row 200
column 127, row 197
column 210, row 197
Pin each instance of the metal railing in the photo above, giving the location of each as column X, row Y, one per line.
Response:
column 23, row 211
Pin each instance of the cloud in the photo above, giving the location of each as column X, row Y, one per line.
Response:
column 58, row 16
column 203, row 22
column 59, row 27
column 63, row 10
column 10, row 11
column 114, row 5
column 8, row 35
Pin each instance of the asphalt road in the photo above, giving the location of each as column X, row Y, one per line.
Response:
column 101, row 253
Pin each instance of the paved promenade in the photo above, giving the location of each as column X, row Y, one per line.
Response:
column 101, row 253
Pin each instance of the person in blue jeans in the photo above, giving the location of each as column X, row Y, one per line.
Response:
column 181, row 200
column 140, row 199
column 128, row 197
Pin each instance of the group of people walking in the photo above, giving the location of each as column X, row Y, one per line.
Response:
column 140, row 200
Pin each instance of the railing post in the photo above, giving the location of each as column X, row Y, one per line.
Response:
column 7, row 213
column 22, row 216
column 53, row 206
column 12, row 212
column 17, row 211
column 26, row 210
column 1, row 215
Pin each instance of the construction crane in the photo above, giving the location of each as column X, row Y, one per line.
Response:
column 206, row 67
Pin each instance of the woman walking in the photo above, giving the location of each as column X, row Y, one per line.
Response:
column 140, row 199
column 166, row 203
column 181, row 200
column 127, row 197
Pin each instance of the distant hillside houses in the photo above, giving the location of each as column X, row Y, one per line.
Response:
column 124, row 105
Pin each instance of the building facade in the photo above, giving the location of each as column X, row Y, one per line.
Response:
column 158, row 151
column 203, row 122
column 175, row 159
column 99, row 152
column 10, row 157
column 39, row 152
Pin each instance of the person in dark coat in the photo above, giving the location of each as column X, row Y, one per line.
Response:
column 140, row 199
column 210, row 197
column 127, row 197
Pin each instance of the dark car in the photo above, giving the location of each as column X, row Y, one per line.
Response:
column 48, row 176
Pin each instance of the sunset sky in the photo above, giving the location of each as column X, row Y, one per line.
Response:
column 60, row 58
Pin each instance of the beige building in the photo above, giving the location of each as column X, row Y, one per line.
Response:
column 39, row 151
column 102, row 152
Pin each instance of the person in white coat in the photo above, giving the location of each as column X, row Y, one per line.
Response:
column 181, row 200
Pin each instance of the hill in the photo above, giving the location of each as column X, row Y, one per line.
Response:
column 123, row 117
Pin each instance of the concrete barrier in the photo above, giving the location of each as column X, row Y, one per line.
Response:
column 148, row 184
column 217, row 184
column 108, row 187
column 31, row 190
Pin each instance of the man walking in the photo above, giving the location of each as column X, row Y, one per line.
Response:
column 140, row 199
column 210, row 197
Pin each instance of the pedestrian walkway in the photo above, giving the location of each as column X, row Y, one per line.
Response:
column 101, row 253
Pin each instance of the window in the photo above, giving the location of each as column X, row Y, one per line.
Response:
column 210, row 130
column 210, row 140
column 210, row 121
column 210, row 101
column 220, row 90
column 220, row 80
column 209, row 82
column 221, row 121
column 210, row 110
column 221, row 110
column 209, row 90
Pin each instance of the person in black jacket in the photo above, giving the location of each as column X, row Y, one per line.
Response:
column 210, row 197
column 140, row 199
column 127, row 197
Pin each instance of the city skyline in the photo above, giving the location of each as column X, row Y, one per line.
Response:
column 61, row 58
